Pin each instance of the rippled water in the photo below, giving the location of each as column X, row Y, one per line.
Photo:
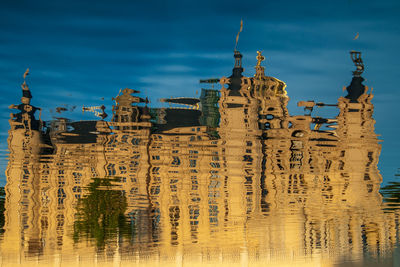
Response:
column 227, row 179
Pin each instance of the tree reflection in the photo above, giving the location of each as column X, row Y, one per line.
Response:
column 391, row 194
column 100, row 214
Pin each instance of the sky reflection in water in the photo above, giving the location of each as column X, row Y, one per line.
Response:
column 227, row 178
column 79, row 52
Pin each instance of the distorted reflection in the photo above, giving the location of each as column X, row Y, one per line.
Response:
column 227, row 178
column 391, row 194
column 100, row 214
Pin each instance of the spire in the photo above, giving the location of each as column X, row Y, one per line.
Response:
column 237, row 69
column 237, row 36
column 26, row 93
column 26, row 110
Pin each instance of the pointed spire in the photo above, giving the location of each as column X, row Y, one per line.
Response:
column 237, row 36
column 237, row 69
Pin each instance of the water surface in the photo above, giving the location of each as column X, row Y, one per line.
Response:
column 230, row 178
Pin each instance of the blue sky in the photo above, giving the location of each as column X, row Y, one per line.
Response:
column 81, row 51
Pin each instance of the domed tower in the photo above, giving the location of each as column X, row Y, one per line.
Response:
column 272, row 97
column 237, row 106
column 240, row 145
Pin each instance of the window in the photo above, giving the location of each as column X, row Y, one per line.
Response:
column 176, row 161
column 111, row 169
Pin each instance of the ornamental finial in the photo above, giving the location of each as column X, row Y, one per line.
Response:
column 260, row 58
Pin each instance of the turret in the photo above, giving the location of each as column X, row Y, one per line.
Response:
column 25, row 118
column 356, row 88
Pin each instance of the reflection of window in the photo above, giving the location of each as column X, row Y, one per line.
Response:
column 213, row 214
column 174, row 215
column 247, row 158
column 195, row 183
column 176, row 161
column 328, row 165
column 135, row 141
column 111, row 169
column 134, row 190
column 269, row 116
column 156, row 157
column 192, row 163
column 133, row 164
column 194, row 212
column 122, row 169
column 214, row 184
column 76, row 189
column 61, row 195
column 370, row 188
column 60, row 220
column 215, row 164
column 124, row 139
column 370, row 158
column 341, row 165
column 173, row 188
column 155, row 190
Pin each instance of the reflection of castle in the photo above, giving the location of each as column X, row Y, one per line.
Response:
column 232, row 176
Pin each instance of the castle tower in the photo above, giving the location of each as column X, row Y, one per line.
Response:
column 22, row 205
